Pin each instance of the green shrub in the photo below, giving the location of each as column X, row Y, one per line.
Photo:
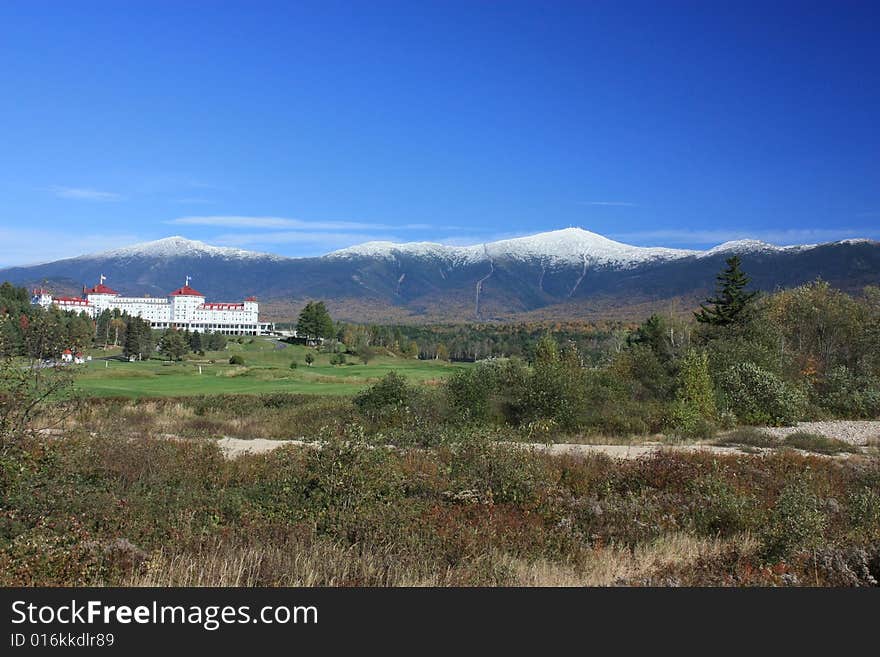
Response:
column 468, row 393
column 236, row 360
column 864, row 511
column 757, row 396
column 847, row 395
column 748, row 436
column 813, row 442
column 556, row 387
column 483, row 470
column 293, row 364
column 386, row 400
column 796, row 523
column 718, row 510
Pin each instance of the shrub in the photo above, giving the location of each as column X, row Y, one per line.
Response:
column 796, row 523
column 693, row 412
column 813, row 442
column 386, row 400
column 468, row 392
column 718, row 510
column 293, row 364
column 748, row 436
column 757, row 396
column 486, row 471
column 864, row 510
column 847, row 395
column 236, row 360
column 556, row 387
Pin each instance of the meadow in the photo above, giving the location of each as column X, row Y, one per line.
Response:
column 266, row 369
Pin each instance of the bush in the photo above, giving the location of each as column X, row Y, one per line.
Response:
column 796, row 523
column 864, row 511
column 813, row 442
column 386, row 400
column 748, row 436
column 757, row 396
column 847, row 395
column 293, row 364
column 236, row 360
column 468, row 392
column 718, row 510
column 486, row 471
column 556, row 387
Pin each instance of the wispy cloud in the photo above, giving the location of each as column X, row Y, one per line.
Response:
column 194, row 201
column 306, row 242
column 274, row 223
column 234, row 221
column 24, row 246
column 619, row 204
column 85, row 194
column 692, row 237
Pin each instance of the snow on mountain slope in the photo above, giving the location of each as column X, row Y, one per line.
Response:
column 753, row 246
column 574, row 245
column 391, row 250
column 177, row 247
column 570, row 246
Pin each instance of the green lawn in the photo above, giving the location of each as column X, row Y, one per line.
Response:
column 266, row 369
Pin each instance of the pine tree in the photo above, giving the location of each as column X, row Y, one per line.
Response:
column 195, row 341
column 173, row 344
column 315, row 322
column 131, row 345
column 730, row 299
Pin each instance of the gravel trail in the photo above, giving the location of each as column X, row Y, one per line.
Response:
column 854, row 432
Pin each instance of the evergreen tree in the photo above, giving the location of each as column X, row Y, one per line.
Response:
column 315, row 322
column 102, row 327
column 195, row 341
column 731, row 297
column 173, row 344
column 138, row 338
column 79, row 332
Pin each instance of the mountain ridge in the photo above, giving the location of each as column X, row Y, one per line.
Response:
column 571, row 271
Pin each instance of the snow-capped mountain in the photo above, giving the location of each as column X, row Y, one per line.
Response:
column 570, row 246
column 180, row 247
column 563, row 273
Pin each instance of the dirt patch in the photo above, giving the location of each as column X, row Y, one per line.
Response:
column 854, row 432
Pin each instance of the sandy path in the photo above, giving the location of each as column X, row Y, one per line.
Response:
column 235, row 447
column 855, row 432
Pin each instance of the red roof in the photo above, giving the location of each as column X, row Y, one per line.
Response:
column 100, row 288
column 186, row 291
column 75, row 300
column 251, row 299
column 66, row 351
column 222, row 306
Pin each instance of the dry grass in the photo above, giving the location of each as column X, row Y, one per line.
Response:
column 612, row 566
column 327, row 564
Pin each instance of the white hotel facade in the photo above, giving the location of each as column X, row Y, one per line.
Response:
column 184, row 309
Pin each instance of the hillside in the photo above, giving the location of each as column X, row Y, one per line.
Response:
column 570, row 273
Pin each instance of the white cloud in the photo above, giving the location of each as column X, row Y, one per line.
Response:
column 276, row 223
column 233, row 221
column 194, row 201
column 780, row 236
column 308, row 242
column 26, row 247
column 623, row 204
column 85, row 194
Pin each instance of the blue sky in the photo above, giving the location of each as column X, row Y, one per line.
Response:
column 301, row 127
